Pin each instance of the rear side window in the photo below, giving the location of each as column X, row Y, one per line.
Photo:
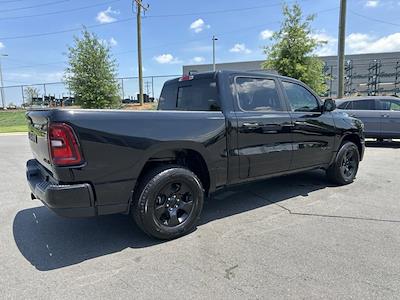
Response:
column 389, row 105
column 300, row 99
column 258, row 94
column 191, row 95
column 362, row 105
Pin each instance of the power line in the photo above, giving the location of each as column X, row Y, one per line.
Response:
column 218, row 11
column 33, row 6
column 374, row 19
column 11, row 1
column 61, row 31
column 59, row 12
column 157, row 46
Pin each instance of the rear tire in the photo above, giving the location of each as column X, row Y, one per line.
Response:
column 344, row 169
column 168, row 202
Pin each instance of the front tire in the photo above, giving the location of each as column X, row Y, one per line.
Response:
column 344, row 169
column 168, row 202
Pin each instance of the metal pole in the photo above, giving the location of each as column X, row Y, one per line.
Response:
column 3, row 98
column 23, row 96
column 341, row 47
column 139, row 46
column 122, row 86
column 152, row 87
column 330, row 82
column 213, row 41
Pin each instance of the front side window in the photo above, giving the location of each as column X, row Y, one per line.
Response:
column 258, row 94
column 363, row 105
column 300, row 99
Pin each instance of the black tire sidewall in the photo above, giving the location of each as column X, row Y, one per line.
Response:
column 337, row 172
column 148, row 197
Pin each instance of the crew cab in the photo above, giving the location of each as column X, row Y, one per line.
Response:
column 210, row 131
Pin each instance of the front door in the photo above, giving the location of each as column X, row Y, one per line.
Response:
column 264, row 138
column 367, row 111
column 313, row 132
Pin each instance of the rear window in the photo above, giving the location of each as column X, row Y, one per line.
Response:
column 191, row 95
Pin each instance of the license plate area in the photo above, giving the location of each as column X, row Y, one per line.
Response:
column 32, row 137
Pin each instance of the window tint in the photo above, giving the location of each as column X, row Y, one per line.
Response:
column 257, row 94
column 343, row 105
column 300, row 99
column 194, row 95
column 389, row 105
column 167, row 99
column 363, row 105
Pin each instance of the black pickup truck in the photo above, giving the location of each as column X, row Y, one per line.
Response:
column 210, row 131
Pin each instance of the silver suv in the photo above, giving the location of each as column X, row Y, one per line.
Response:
column 380, row 114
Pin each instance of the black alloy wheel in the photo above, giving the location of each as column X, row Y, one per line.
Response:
column 174, row 204
column 344, row 169
column 168, row 202
column 349, row 163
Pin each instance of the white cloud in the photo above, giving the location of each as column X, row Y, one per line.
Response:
column 106, row 16
column 2, row 45
column 372, row 3
column 199, row 25
column 167, row 59
column 112, row 42
column 240, row 48
column 266, row 34
column 330, row 46
column 198, row 59
column 364, row 43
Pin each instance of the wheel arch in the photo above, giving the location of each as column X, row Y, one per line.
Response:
column 354, row 138
column 188, row 155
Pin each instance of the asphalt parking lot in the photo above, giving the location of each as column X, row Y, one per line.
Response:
column 291, row 237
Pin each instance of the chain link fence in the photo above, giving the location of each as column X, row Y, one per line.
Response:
column 56, row 93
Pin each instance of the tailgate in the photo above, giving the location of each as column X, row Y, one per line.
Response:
column 38, row 121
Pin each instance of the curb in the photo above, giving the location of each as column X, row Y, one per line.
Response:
column 12, row 133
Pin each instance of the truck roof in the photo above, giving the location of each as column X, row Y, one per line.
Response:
column 211, row 74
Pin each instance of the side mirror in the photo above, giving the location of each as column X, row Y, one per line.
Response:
column 329, row 105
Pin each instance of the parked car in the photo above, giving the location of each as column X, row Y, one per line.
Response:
column 211, row 130
column 380, row 114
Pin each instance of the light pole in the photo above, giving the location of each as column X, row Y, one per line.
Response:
column 213, row 40
column 3, row 100
column 341, row 47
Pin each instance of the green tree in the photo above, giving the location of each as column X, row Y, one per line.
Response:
column 30, row 93
column 292, row 53
column 91, row 74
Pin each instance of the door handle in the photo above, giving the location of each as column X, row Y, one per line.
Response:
column 385, row 116
column 289, row 125
column 252, row 124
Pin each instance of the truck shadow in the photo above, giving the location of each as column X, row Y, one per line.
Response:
column 50, row 242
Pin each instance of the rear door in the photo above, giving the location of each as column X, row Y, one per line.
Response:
column 366, row 110
column 390, row 117
column 313, row 132
column 264, row 138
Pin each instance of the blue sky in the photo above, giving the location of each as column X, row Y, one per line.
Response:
column 176, row 32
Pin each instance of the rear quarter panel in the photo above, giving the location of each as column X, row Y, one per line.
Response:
column 117, row 144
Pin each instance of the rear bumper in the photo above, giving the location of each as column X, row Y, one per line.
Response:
column 68, row 200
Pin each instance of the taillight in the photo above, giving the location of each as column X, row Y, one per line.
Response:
column 186, row 78
column 63, row 145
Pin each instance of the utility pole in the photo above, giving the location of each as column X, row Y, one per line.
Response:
column 341, row 47
column 139, row 7
column 3, row 99
column 213, row 40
